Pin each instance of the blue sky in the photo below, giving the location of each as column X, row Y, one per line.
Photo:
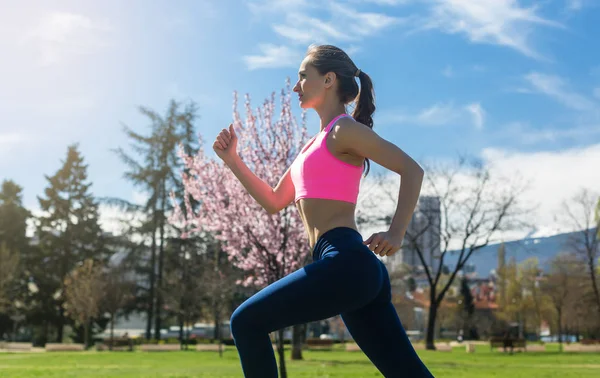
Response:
column 514, row 82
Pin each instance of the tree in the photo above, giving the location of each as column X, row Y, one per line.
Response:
column 13, row 217
column 9, row 261
column 585, row 241
column 119, row 290
column 473, row 211
column 84, row 289
column 560, row 284
column 219, row 285
column 14, row 252
column 68, row 231
column 266, row 247
column 183, row 287
column 156, row 174
column 468, row 310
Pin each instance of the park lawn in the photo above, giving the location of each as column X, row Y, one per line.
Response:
column 328, row 364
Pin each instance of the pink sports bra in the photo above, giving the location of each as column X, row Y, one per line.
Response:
column 317, row 173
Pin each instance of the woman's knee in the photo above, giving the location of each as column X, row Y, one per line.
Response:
column 239, row 320
column 245, row 318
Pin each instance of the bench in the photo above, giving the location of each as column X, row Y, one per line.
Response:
column 507, row 343
column 352, row 347
column 443, row 347
column 209, row 347
column 535, row 348
column 160, row 347
column 314, row 343
column 15, row 347
column 118, row 345
column 594, row 348
column 67, row 347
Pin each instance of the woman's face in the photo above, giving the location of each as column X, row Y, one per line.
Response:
column 310, row 86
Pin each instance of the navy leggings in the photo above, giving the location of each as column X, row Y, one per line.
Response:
column 345, row 278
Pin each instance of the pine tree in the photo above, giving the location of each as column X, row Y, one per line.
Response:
column 68, row 232
column 13, row 217
column 14, row 244
column 158, row 174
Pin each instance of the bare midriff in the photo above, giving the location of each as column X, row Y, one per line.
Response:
column 321, row 215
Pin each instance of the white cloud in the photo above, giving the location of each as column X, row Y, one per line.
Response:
column 577, row 5
column 557, row 88
column 61, row 34
column 9, row 142
column 306, row 30
column 362, row 24
column 477, row 113
column 501, row 22
column 439, row 114
column 524, row 134
column 555, row 176
column 273, row 56
column 574, row 4
column 302, row 23
column 385, row 2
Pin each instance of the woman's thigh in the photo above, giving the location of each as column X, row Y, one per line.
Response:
column 343, row 282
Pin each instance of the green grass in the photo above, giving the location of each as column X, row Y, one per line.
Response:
column 329, row 364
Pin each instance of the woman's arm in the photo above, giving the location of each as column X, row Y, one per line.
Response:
column 362, row 141
column 410, row 188
column 258, row 189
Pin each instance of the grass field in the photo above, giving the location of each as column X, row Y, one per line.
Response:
column 329, row 364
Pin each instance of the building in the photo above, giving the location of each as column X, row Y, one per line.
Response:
column 426, row 221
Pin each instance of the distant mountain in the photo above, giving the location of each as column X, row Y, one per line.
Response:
column 545, row 249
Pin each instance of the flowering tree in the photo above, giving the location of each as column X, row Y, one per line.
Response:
column 267, row 247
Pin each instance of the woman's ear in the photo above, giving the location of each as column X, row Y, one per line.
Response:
column 329, row 79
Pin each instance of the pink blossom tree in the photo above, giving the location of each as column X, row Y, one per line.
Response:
column 267, row 247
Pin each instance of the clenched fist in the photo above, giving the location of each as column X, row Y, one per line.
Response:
column 225, row 144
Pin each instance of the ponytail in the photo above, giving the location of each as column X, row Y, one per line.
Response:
column 365, row 106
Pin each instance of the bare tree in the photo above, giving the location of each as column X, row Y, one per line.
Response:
column 474, row 210
column 219, row 285
column 560, row 284
column 585, row 241
column 118, row 290
column 9, row 261
column 84, row 290
column 184, row 278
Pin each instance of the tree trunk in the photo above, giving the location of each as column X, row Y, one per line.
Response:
column 281, row 352
column 86, row 337
column 45, row 333
column 298, row 330
column 594, row 285
column 112, row 331
column 161, row 253
column 181, row 336
column 60, row 325
column 151, row 288
column 560, row 346
column 429, row 339
column 217, row 333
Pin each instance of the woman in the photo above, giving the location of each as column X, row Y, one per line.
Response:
column 345, row 276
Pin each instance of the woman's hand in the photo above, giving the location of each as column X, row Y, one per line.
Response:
column 225, row 144
column 384, row 243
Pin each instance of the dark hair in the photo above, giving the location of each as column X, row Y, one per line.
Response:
column 328, row 58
